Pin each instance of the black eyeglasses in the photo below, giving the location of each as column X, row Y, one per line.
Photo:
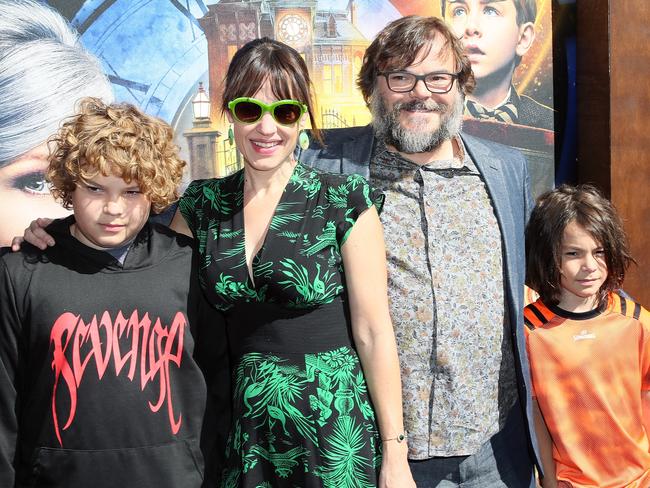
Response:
column 250, row 110
column 403, row 81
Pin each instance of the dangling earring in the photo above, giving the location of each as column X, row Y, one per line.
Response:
column 231, row 135
column 303, row 140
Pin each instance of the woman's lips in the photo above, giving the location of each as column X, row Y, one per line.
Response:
column 265, row 147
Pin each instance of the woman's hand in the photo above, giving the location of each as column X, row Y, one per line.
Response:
column 395, row 471
column 35, row 235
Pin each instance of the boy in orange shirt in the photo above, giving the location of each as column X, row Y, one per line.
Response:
column 589, row 347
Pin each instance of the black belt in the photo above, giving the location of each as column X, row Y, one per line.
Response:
column 267, row 327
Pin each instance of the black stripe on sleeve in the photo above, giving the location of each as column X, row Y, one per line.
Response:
column 538, row 314
column 528, row 323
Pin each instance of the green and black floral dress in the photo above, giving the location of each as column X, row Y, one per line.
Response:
column 301, row 412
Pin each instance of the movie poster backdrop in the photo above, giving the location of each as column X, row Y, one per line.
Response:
column 169, row 57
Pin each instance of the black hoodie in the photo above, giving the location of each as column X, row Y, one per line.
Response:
column 99, row 386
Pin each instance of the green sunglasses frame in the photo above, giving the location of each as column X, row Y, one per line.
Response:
column 265, row 108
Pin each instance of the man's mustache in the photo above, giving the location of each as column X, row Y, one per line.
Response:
column 423, row 105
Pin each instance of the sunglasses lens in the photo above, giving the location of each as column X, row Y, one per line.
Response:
column 247, row 112
column 287, row 113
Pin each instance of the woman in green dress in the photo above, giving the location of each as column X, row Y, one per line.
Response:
column 295, row 259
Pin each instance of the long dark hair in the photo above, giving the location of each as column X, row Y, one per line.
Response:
column 267, row 59
column 556, row 209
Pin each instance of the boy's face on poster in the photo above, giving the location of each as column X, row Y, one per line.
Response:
column 24, row 195
column 493, row 40
column 108, row 211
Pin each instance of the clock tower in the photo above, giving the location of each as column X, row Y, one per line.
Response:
column 328, row 40
column 228, row 25
column 294, row 25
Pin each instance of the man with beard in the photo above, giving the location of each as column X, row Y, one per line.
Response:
column 454, row 218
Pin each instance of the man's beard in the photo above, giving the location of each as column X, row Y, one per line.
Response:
column 420, row 138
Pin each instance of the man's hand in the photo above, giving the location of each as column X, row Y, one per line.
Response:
column 35, row 235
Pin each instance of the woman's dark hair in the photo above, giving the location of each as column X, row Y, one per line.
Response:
column 267, row 59
column 401, row 41
column 588, row 208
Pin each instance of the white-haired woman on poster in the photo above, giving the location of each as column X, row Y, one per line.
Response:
column 44, row 70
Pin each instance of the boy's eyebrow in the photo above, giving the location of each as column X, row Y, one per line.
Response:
column 578, row 246
column 89, row 182
column 483, row 2
column 570, row 247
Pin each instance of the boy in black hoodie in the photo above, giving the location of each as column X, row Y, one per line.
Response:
column 99, row 381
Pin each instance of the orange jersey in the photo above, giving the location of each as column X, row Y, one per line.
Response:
column 588, row 372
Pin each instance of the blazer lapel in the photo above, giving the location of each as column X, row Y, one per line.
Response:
column 490, row 167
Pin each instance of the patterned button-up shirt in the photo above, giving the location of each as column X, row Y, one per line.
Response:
column 446, row 292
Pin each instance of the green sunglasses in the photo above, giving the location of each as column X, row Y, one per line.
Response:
column 250, row 110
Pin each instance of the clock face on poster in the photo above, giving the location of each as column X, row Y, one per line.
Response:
column 293, row 29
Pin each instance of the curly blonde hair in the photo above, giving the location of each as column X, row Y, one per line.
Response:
column 120, row 140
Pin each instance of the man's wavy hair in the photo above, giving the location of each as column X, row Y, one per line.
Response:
column 400, row 42
column 556, row 209
column 119, row 140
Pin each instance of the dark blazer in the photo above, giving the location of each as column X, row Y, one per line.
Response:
column 505, row 173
